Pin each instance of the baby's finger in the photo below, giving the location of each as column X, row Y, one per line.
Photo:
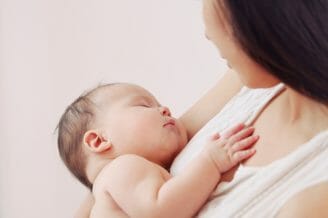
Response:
column 242, row 155
column 244, row 144
column 233, row 130
column 241, row 135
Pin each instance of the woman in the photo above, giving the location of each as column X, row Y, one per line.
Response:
column 268, row 42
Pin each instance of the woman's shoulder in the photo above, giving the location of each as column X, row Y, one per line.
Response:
column 244, row 106
column 258, row 97
column 311, row 202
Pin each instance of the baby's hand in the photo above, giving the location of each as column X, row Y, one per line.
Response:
column 233, row 146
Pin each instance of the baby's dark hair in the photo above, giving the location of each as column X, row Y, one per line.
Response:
column 73, row 124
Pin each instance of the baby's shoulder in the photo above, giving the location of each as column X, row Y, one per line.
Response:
column 126, row 163
column 125, row 166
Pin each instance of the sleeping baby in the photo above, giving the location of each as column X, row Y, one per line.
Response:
column 119, row 141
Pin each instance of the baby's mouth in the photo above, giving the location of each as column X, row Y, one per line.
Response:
column 170, row 122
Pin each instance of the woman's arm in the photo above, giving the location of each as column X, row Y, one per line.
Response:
column 312, row 202
column 211, row 103
column 85, row 207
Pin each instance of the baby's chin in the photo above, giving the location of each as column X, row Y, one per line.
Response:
column 169, row 160
column 182, row 144
column 180, row 147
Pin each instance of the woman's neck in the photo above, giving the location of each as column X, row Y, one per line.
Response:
column 304, row 112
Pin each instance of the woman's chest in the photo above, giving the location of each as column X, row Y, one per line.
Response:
column 277, row 139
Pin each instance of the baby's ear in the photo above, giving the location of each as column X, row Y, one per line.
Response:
column 94, row 141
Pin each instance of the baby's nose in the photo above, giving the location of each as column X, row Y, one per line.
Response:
column 165, row 111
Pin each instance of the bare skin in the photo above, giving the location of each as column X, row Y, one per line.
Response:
column 204, row 109
column 130, row 144
column 131, row 186
column 295, row 114
column 312, row 202
column 193, row 119
column 300, row 120
column 267, row 148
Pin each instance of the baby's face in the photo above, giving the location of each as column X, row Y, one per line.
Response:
column 136, row 123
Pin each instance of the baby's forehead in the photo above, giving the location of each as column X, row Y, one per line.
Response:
column 121, row 92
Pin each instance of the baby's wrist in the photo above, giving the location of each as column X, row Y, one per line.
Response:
column 206, row 154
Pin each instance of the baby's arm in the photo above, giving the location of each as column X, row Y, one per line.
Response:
column 146, row 191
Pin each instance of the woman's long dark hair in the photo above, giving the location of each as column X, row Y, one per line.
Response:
column 287, row 37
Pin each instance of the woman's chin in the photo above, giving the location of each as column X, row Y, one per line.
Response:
column 261, row 84
column 258, row 80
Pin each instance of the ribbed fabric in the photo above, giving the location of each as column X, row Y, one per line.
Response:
column 258, row 191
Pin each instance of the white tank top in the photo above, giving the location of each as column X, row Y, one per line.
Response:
column 257, row 191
